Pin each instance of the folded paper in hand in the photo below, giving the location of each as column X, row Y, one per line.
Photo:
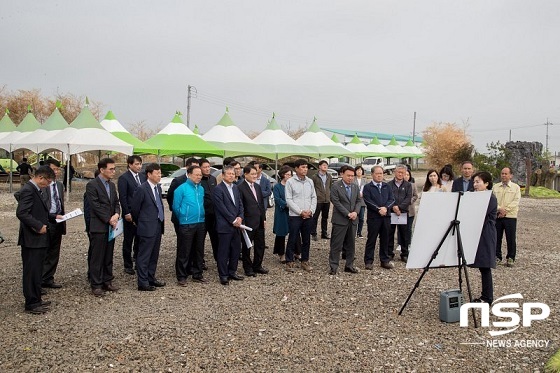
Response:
column 70, row 215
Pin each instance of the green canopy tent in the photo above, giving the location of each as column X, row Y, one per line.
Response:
column 379, row 150
column 228, row 137
column 177, row 139
column 111, row 124
column 6, row 125
column 359, row 148
column 317, row 141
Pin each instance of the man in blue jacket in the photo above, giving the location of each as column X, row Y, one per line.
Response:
column 188, row 207
column 379, row 201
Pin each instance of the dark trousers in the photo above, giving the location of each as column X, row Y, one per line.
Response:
column 130, row 244
column 192, row 247
column 101, row 260
column 32, row 259
column 147, row 258
column 299, row 227
column 361, row 215
column 53, row 253
column 401, row 239
column 342, row 236
column 409, row 231
column 229, row 247
column 323, row 210
column 377, row 227
column 210, row 229
column 280, row 246
column 509, row 225
column 257, row 236
column 487, row 285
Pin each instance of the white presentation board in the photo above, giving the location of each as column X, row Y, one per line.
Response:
column 435, row 213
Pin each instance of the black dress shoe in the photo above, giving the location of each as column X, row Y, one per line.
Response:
column 325, row 237
column 262, row 271
column 51, row 285
column 157, row 283
column 146, row 288
column 236, row 277
column 224, row 281
column 351, row 270
column 314, row 237
column 332, row 272
column 46, row 303
column 250, row 274
column 39, row 310
column 200, row 280
column 130, row 271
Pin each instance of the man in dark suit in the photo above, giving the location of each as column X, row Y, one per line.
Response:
column 55, row 195
column 465, row 182
column 105, row 212
column 127, row 185
column 147, row 213
column 254, row 216
column 379, row 201
column 209, row 182
column 322, row 181
column 346, row 200
column 229, row 216
column 33, row 214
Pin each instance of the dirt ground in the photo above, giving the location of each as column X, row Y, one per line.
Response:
column 276, row 322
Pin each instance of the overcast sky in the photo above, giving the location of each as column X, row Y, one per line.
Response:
column 363, row 65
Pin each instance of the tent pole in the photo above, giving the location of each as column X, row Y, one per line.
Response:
column 11, row 168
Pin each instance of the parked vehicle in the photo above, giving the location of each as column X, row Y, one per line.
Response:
column 166, row 168
column 338, row 165
column 369, row 162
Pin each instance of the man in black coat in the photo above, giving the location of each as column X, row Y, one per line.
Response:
column 209, row 182
column 147, row 213
column 33, row 214
column 465, row 182
column 55, row 195
column 127, row 185
column 105, row 212
column 255, row 216
column 402, row 192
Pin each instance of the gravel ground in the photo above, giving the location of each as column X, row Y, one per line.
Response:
column 276, row 322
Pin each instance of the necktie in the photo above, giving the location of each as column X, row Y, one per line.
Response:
column 349, row 191
column 56, row 199
column 107, row 188
column 253, row 190
column 158, row 204
column 137, row 179
column 379, row 187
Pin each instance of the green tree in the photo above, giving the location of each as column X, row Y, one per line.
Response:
column 494, row 160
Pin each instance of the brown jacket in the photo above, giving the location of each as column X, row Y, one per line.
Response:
column 323, row 191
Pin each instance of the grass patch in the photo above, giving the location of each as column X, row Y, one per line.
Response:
column 541, row 192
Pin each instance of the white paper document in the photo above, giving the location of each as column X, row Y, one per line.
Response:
column 246, row 236
column 70, row 215
column 401, row 219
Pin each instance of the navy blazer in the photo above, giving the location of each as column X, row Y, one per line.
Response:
column 32, row 212
column 254, row 209
column 102, row 207
column 144, row 210
column 458, row 185
column 266, row 189
column 375, row 200
column 226, row 211
column 127, row 185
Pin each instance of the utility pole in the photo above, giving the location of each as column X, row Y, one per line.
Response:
column 190, row 88
column 547, row 124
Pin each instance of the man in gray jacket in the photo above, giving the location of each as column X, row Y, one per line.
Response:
column 346, row 200
column 302, row 201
